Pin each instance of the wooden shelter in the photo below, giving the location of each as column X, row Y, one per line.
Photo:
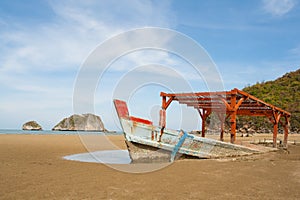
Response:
column 227, row 104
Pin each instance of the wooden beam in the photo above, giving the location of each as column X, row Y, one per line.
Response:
column 264, row 103
column 238, row 104
column 228, row 107
column 254, row 113
column 169, row 102
column 196, row 94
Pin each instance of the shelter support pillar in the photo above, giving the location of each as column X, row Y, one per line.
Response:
column 162, row 118
column 162, row 113
column 275, row 120
column 233, row 117
column 233, row 127
column 204, row 114
column 286, row 131
column 203, row 127
column 232, row 109
column 222, row 120
column 222, row 132
column 275, row 132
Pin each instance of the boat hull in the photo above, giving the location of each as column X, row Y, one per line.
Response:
column 146, row 144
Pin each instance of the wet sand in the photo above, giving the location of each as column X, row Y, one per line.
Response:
column 32, row 168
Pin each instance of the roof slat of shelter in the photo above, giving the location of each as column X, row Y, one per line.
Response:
column 262, row 102
column 213, row 100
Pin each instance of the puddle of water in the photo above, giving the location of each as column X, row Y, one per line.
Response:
column 106, row 157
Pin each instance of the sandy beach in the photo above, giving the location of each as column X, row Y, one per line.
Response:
column 32, row 168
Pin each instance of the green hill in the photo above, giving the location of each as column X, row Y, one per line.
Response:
column 284, row 93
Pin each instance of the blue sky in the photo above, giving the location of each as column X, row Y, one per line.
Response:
column 44, row 43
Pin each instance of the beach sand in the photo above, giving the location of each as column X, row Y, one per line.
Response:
column 32, row 168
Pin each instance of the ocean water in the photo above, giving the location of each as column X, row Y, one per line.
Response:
column 50, row 132
column 105, row 156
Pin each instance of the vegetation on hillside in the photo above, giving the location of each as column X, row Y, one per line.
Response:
column 283, row 92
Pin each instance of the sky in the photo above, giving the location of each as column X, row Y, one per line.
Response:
column 44, row 45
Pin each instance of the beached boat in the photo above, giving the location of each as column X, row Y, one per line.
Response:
column 148, row 143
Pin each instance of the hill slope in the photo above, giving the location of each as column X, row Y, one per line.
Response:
column 283, row 92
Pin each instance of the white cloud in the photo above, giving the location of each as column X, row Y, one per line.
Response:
column 38, row 62
column 77, row 29
column 278, row 7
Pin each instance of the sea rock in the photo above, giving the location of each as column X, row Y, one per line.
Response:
column 32, row 126
column 84, row 122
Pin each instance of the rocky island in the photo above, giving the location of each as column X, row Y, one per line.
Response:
column 84, row 122
column 32, row 126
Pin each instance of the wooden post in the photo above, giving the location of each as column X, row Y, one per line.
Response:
column 203, row 125
column 233, row 127
column 222, row 120
column 275, row 131
column 276, row 117
column 162, row 116
column 286, row 131
column 222, row 129
column 162, row 113
column 222, row 132
column 204, row 114
column 233, row 117
column 203, row 118
column 164, row 102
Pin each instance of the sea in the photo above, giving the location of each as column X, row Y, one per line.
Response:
column 50, row 132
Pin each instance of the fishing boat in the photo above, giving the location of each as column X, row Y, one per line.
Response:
column 149, row 143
